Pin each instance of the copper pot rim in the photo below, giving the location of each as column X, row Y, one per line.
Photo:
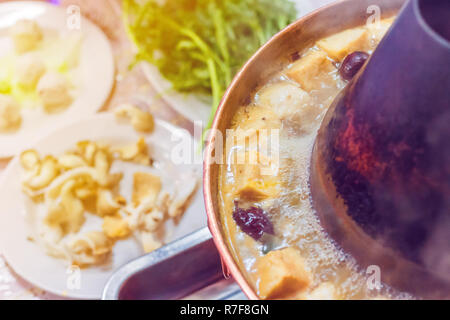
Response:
column 228, row 261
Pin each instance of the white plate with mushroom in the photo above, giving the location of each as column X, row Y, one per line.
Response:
column 55, row 67
column 53, row 236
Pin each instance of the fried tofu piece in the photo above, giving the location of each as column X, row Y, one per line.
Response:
column 339, row 45
column 26, row 35
column 258, row 190
column 325, row 291
column 151, row 221
column 310, row 72
column 136, row 152
column 282, row 273
column 304, row 121
column 284, row 98
column 87, row 150
column 250, row 143
column 48, row 171
column 115, row 227
column 146, row 186
column 243, row 174
column 102, row 164
column 53, row 90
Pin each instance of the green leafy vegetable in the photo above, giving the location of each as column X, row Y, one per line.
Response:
column 198, row 45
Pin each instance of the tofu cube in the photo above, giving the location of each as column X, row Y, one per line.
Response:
column 311, row 71
column 325, row 291
column 285, row 98
column 338, row 46
column 282, row 273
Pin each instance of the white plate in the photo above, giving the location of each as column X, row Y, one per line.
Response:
column 30, row 261
column 194, row 107
column 95, row 71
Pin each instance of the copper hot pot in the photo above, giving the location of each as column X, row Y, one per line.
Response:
column 275, row 54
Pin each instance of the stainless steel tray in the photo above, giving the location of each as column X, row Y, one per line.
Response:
column 189, row 268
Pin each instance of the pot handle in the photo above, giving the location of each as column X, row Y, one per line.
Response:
column 171, row 272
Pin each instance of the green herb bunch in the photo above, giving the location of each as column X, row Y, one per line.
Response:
column 199, row 45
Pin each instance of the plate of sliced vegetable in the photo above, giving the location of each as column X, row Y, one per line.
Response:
column 191, row 50
column 55, row 67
